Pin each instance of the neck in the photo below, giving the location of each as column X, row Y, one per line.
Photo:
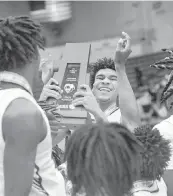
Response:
column 15, row 79
column 26, row 73
column 104, row 105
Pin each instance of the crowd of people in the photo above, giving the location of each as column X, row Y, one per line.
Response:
column 113, row 156
column 151, row 110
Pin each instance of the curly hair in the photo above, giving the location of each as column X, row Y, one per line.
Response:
column 102, row 159
column 156, row 153
column 20, row 38
column 100, row 64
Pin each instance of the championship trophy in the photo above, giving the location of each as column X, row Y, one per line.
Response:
column 72, row 73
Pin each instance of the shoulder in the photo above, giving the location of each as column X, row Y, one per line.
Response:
column 165, row 128
column 22, row 118
column 166, row 124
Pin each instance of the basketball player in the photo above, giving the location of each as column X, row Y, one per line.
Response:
column 26, row 166
column 166, row 130
column 109, row 83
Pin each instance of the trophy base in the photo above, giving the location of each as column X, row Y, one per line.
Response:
column 73, row 119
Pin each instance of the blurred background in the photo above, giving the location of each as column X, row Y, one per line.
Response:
column 100, row 23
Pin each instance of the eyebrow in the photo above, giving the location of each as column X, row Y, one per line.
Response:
column 112, row 76
column 100, row 75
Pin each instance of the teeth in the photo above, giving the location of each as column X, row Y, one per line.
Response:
column 104, row 89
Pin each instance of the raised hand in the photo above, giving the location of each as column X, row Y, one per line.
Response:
column 123, row 49
column 47, row 67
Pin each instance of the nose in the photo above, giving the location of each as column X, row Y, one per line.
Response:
column 106, row 81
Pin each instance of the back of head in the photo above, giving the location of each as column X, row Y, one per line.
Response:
column 102, row 160
column 155, row 155
column 100, row 64
column 20, row 38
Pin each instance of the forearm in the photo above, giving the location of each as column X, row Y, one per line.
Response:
column 127, row 100
column 100, row 116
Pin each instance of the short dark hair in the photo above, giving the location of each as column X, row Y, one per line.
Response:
column 20, row 38
column 100, row 64
column 102, row 158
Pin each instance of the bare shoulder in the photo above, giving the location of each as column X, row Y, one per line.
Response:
column 23, row 119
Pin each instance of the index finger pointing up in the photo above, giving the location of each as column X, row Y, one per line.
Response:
column 127, row 37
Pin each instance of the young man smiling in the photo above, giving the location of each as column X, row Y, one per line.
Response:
column 110, row 84
column 111, row 97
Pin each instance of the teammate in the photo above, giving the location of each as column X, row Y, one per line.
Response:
column 26, row 166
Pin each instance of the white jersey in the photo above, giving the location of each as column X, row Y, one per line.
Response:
column 113, row 114
column 47, row 180
column 165, row 128
column 115, row 117
column 156, row 188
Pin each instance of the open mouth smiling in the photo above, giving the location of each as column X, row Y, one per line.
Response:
column 105, row 89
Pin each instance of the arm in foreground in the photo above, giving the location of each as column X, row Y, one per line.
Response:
column 22, row 132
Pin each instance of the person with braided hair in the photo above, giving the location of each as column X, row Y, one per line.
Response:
column 102, row 160
column 166, row 130
column 26, row 164
column 165, row 127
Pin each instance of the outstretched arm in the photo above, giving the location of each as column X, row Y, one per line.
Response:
column 127, row 100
